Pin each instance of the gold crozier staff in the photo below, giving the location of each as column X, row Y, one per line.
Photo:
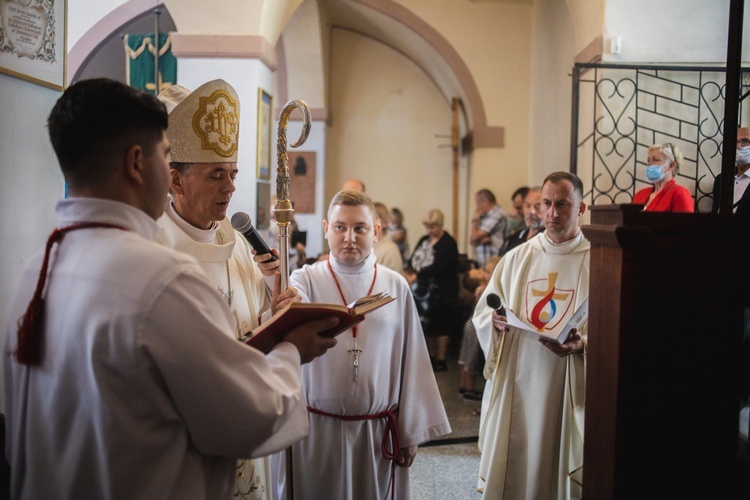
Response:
column 284, row 213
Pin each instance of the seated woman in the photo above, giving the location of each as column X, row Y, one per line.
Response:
column 663, row 163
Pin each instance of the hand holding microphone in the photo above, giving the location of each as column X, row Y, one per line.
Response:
column 493, row 301
column 242, row 223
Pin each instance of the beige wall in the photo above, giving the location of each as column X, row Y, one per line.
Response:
column 552, row 61
column 494, row 40
column 385, row 114
column 589, row 20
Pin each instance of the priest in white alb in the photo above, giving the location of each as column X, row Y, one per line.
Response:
column 374, row 399
column 531, row 429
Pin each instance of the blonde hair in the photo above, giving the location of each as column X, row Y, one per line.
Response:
column 351, row 198
column 433, row 217
column 672, row 153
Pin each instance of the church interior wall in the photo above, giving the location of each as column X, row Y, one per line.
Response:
column 687, row 31
column 386, row 113
column 517, row 53
column 32, row 181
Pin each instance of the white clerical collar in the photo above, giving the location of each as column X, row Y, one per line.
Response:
column 197, row 234
column 342, row 267
column 563, row 248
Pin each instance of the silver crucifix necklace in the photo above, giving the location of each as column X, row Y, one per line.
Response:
column 355, row 350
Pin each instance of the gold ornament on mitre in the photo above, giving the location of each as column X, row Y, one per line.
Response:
column 204, row 124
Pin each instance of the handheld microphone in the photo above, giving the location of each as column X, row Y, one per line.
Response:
column 493, row 300
column 242, row 223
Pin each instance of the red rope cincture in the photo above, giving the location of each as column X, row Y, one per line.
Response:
column 391, row 434
column 30, row 325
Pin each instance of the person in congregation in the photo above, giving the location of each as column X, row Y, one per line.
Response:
column 488, row 227
column 353, row 184
column 435, row 259
column 533, row 224
column 535, row 449
column 515, row 215
column 398, row 233
column 386, row 251
column 374, row 399
column 741, row 194
column 470, row 356
column 123, row 377
column 663, row 164
column 203, row 168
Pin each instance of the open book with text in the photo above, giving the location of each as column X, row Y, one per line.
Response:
column 560, row 334
column 273, row 331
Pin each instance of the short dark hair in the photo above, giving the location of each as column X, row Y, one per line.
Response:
column 487, row 195
column 556, row 177
column 96, row 120
column 523, row 191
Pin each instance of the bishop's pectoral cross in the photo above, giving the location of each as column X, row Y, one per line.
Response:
column 355, row 354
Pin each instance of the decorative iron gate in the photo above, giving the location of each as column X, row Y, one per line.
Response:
column 620, row 110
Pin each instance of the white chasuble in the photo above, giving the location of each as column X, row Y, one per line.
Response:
column 531, row 429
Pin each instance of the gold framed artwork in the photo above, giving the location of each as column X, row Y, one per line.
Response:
column 264, row 134
column 33, row 36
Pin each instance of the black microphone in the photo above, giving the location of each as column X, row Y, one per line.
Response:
column 493, row 300
column 242, row 223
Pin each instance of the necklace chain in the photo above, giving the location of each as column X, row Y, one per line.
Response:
column 230, row 292
column 355, row 350
column 229, row 295
column 341, row 292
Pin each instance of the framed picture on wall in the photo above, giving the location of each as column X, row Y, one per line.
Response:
column 264, row 134
column 32, row 41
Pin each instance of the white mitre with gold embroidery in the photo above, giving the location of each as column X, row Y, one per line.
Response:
column 204, row 124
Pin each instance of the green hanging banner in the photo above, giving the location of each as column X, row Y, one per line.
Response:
column 139, row 62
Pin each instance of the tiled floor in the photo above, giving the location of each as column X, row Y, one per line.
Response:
column 449, row 471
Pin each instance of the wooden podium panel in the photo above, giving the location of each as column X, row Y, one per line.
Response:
column 667, row 366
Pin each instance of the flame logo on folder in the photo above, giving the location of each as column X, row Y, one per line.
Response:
column 547, row 305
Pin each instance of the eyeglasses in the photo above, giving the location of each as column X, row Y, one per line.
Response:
column 743, row 143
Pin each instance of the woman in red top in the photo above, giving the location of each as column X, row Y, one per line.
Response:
column 665, row 195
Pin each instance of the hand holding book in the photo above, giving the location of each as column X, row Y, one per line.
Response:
column 273, row 331
column 307, row 339
column 559, row 335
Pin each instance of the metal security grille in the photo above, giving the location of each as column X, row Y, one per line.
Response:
column 620, row 110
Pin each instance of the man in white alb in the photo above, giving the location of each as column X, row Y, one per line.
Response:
column 531, row 430
column 203, row 132
column 375, row 399
column 123, row 379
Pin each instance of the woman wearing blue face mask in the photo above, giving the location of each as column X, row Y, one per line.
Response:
column 665, row 195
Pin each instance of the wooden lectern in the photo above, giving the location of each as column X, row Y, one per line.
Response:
column 668, row 367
